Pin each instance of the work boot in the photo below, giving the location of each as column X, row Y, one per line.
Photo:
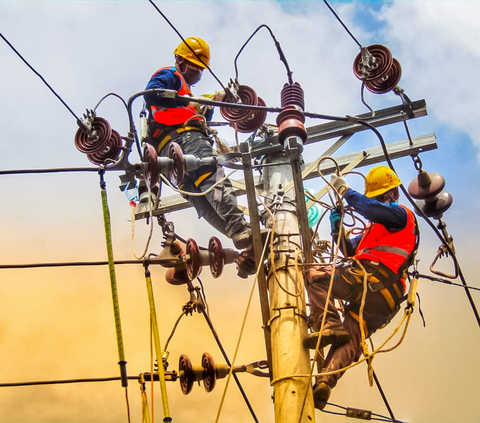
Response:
column 243, row 238
column 336, row 337
column 321, row 394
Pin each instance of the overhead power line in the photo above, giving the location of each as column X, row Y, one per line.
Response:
column 41, row 77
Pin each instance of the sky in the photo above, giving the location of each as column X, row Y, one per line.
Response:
column 57, row 323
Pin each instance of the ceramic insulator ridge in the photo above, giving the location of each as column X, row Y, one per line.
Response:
column 291, row 119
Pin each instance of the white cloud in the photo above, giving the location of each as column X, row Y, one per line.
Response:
column 436, row 43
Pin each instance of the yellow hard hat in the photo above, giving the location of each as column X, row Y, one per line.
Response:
column 379, row 180
column 202, row 51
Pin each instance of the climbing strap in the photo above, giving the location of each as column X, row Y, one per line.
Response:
column 158, row 348
column 113, row 281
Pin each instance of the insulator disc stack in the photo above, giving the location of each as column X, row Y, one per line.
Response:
column 388, row 81
column 428, row 189
column 244, row 120
column 194, row 261
column 216, row 256
column 379, row 70
column 100, row 143
column 151, row 171
column 111, row 151
column 372, row 62
column 292, row 95
column 209, row 373
column 291, row 119
column 187, row 375
column 177, row 168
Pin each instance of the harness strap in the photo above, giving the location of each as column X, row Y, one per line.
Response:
column 386, row 249
column 168, row 133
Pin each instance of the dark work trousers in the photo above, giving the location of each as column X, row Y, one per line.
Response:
column 218, row 207
column 376, row 313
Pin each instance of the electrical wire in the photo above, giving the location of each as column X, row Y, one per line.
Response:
column 40, row 76
column 446, row 281
column 51, row 170
column 378, row 417
column 64, row 381
column 341, row 22
column 183, row 40
column 66, row 264
column 277, row 45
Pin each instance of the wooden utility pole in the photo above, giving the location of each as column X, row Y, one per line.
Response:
column 288, row 316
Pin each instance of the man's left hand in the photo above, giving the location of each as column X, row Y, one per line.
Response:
column 339, row 183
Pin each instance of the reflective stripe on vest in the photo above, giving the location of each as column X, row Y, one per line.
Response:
column 174, row 115
column 391, row 249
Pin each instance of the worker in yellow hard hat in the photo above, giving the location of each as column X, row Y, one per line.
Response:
column 174, row 121
column 385, row 250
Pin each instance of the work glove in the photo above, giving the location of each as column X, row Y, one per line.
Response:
column 339, row 183
column 246, row 264
column 335, row 219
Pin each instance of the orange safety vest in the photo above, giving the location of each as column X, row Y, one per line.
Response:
column 392, row 249
column 174, row 115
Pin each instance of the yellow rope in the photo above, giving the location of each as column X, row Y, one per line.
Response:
column 241, row 331
column 406, row 317
column 158, row 348
column 143, row 393
column 152, row 385
column 361, row 321
column 327, row 300
column 128, row 404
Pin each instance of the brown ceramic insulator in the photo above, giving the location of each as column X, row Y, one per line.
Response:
column 87, row 144
column 177, row 168
column 209, row 373
column 438, row 206
column 151, row 165
column 388, row 81
column 187, row 375
column 253, row 121
column 216, row 256
column 292, row 95
column 426, row 186
column 247, row 96
column 193, row 259
column 111, row 151
column 290, row 123
column 380, row 62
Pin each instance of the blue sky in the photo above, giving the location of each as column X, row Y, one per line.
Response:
column 57, row 323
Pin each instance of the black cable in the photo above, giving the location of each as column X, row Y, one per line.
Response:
column 41, row 77
column 277, row 45
column 225, row 356
column 66, row 264
column 344, row 26
column 429, row 222
column 53, row 170
column 446, row 281
column 384, row 397
column 64, row 381
column 382, row 418
column 183, row 39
